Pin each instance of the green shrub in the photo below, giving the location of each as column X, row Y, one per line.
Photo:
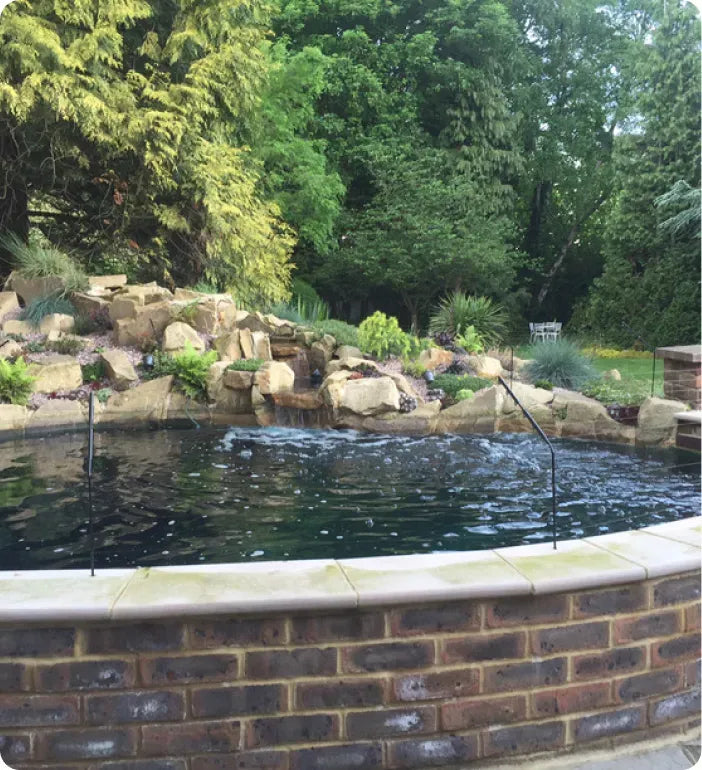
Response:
column 451, row 384
column 286, row 313
column 382, row 336
column 455, row 313
column 15, row 382
column 632, row 393
column 189, row 368
column 67, row 346
column 35, row 346
column 103, row 395
column 246, row 364
column 94, row 372
column 205, row 288
column 470, row 340
column 544, row 384
column 343, row 333
column 42, row 306
column 42, row 260
column 464, row 394
column 414, row 368
column 561, row 363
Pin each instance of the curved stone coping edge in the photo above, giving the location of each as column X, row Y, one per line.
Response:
column 57, row 596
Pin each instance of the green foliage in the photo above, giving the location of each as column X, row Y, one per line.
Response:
column 186, row 313
column 103, row 395
column 414, row 368
column 561, row 363
column 451, row 384
column 15, row 382
column 42, row 306
column 90, row 323
column 544, row 384
column 458, row 311
column 382, row 336
column 470, row 340
column 13, row 337
column 189, row 368
column 301, row 290
column 632, row 393
column 464, row 395
column 35, row 346
column 67, row 346
column 94, row 372
column 39, row 259
column 205, row 288
column 246, row 365
column 139, row 124
column 343, row 333
column 286, row 312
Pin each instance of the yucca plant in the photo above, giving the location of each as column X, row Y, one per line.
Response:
column 456, row 312
column 43, row 260
column 561, row 363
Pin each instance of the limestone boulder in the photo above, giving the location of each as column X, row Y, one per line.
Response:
column 107, row 281
column 227, row 346
column 89, row 305
column 254, row 322
column 178, row 335
column 307, row 400
column 420, row 422
column 10, row 349
column 12, row 417
column 149, row 324
column 147, row 402
column 370, row 396
column 486, row 366
column 8, row 302
column 146, row 294
column 180, row 407
column 262, row 346
column 347, row 364
column 333, row 386
column 273, row 377
column 119, row 369
column 123, row 307
column 476, row 415
column 303, row 336
column 237, row 380
column 58, row 413
column 206, row 318
column 285, row 349
column 530, row 397
column 656, row 423
column 246, row 343
column 581, row 417
column 433, row 358
column 22, row 328
column 612, row 374
column 320, row 353
column 58, row 322
column 404, row 385
column 348, row 351
column 230, row 401
column 214, row 381
column 189, row 295
column 56, row 373
column 28, row 289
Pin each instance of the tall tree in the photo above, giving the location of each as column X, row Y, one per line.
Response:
column 651, row 282
column 122, row 121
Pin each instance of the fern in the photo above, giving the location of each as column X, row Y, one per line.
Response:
column 191, row 368
column 15, row 382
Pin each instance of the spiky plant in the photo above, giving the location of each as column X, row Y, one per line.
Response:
column 43, row 306
column 456, row 312
column 38, row 259
column 561, row 363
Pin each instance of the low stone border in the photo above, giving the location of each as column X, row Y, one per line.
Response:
column 397, row 662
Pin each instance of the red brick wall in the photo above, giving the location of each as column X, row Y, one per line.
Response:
column 403, row 687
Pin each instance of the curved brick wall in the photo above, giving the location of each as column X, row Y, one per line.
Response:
column 407, row 686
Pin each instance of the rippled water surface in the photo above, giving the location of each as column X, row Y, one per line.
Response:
column 188, row 496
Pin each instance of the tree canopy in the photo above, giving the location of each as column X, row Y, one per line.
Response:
column 539, row 153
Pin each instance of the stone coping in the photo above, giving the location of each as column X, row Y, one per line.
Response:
column 690, row 353
column 691, row 416
column 328, row 584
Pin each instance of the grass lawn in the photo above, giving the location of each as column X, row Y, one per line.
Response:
column 635, row 384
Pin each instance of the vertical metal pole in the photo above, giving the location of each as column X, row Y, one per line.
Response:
column 91, row 447
column 511, row 365
column 553, row 497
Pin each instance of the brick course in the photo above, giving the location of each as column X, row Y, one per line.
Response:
column 415, row 686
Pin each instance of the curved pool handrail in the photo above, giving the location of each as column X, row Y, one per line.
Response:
column 538, row 429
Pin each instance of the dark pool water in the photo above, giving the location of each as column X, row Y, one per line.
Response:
column 188, row 496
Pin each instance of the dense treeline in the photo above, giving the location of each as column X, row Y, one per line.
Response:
column 386, row 152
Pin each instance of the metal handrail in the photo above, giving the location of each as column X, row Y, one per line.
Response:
column 91, row 449
column 537, row 428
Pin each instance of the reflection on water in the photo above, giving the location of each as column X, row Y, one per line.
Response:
column 187, row 496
